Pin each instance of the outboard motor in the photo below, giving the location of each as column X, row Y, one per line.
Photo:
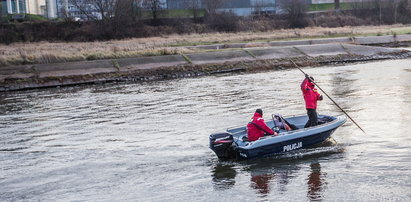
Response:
column 222, row 144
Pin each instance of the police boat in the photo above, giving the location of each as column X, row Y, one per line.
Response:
column 233, row 143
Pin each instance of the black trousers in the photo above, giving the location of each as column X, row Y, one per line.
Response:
column 312, row 118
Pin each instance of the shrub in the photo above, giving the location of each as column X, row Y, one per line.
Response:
column 223, row 22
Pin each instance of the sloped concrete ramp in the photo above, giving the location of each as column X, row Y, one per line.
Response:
column 369, row 40
column 219, row 57
column 74, row 68
column 368, row 50
column 128, row 64
column 174, row 66
column 276, row 53
column 17, row 72
column 323, row 50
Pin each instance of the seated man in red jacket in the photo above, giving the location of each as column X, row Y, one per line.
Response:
column 256, row 128
column 310, row 96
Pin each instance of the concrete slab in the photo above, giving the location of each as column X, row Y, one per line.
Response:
column 290, row 43
column 16, row 72
column 219, row 57
column 323, row 49
column 8, row 70
column 403, row 38
column 367, row 50
column 275, row 53
column 75, row 68
column 216, row 46
column 127, row 64
column 236, row 45
column 332, row 40
column 73, row 65
column 374, row 40
column 257, row 44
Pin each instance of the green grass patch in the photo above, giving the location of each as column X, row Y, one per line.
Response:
column 184, row 13
column 32, row 17
column 27, row 17
column 187, row 58
column 328, row 6
column 115, row 64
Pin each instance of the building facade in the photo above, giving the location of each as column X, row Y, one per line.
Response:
column 14, row 6
column 249, row 7
column 46, row 8
column 238, row 7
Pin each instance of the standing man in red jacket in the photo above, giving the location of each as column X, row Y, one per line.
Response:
column 310, row 96
column 256, row 128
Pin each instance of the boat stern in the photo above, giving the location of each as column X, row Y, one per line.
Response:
column 222, row 144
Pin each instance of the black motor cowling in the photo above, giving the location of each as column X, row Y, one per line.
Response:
column 222, row 144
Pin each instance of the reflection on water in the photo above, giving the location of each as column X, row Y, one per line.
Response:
column 261, row 182
column 274, row 173
column 149, row 141
column 315, row 181
column 223, row 176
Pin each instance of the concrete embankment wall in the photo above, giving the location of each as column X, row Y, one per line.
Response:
column 175, row 66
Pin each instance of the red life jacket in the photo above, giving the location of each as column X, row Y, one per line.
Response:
column 254, row 132
column 310, row 94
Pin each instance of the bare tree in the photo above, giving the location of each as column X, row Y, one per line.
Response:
column 95, row 9
column 395, row 5
column 296, row 11
column 383, row 11
column 212, row 5
column 127, row 10
column 1, row 11
column 378, row 5
column 195, row 7
column 260, row 6
column 387, row 10
column 154, row 6
column 337, row 4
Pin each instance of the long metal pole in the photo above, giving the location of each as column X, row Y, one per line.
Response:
column 329, row 98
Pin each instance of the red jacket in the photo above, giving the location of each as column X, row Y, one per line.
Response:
column 310, row 94
column 255, row 132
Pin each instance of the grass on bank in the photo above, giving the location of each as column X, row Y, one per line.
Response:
column 184, row 13
column 23, row 17
column 328, row 6
column 47, row 52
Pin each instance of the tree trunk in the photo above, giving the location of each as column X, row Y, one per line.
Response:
column 337, row 4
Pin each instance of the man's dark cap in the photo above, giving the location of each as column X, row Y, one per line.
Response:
column 260, row 111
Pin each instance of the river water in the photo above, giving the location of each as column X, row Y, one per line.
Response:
column 149, row 141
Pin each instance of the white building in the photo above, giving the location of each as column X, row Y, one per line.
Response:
column 238, row 7
column 46, row 8
column 14, row 6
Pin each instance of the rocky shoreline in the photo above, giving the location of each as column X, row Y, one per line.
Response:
column 192, row 65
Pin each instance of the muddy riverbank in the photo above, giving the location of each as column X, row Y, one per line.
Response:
column 191, row 65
